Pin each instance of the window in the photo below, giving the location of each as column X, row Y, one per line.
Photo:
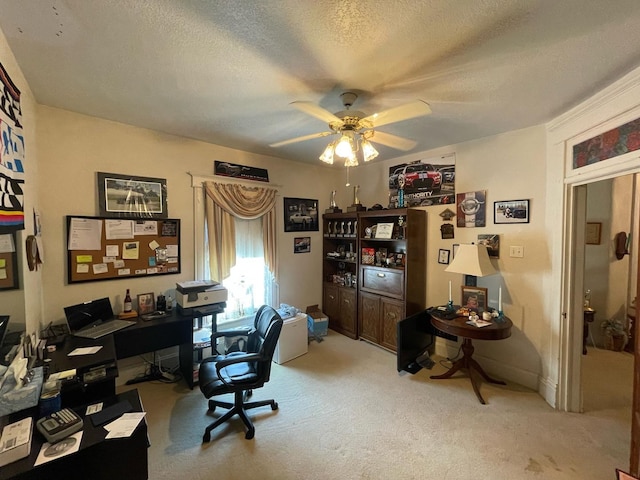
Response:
column 250, row 282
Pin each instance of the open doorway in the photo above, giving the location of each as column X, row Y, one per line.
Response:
column 609, row 286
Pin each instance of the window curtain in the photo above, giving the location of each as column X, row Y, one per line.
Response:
column 224, row 201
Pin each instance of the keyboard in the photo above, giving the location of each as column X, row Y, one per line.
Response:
column 104, row 329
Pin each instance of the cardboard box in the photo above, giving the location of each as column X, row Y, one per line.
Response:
column 317, row 321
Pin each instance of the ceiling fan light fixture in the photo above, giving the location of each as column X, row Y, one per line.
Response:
column 327, row 155
column 345, row 147
column 351, row 161
column 368, row 151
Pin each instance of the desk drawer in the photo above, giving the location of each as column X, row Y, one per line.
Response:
column 383, row 281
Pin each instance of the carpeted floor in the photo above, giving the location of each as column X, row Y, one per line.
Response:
column 345, row 413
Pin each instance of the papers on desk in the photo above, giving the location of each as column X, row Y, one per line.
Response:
column 479, row 323
column 66, row 446
column 84, row 351
column 125, row 425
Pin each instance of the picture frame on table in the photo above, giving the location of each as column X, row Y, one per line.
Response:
column 511, row 211
column 474, row 298
column 131, row 196
column 146, row 303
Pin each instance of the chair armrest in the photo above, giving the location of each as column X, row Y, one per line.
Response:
column 246, row 357
column 245, row 331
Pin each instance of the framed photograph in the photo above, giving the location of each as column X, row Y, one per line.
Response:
column 511, row 211
column 146, row 303
column 492, row 242
column 300, row 214
column 443, row 256
column 474, row 298
column 128, row 196
column 302, row 245
column 592, row 233
column 455, row 250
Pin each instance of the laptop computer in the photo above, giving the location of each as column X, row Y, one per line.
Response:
column 94, row 319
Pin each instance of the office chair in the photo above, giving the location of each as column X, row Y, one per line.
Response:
column 241, row 372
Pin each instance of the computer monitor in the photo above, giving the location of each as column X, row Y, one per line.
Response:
column 415, row 337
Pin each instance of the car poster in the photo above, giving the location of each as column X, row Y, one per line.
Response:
column 423, row 182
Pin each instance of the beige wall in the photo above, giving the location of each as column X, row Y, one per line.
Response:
column 74, row 147
column 24, row 305
column 509, row 167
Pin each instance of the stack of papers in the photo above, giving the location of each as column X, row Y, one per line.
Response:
column 125, row 425
column 479, row 322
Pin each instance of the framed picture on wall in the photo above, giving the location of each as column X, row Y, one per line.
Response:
column 511, row 211
column 130, row 196
column 301, row 244
column 300, row 214
column 592, row 233
column 443, row 256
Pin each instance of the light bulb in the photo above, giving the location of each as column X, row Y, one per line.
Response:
column 344, row 148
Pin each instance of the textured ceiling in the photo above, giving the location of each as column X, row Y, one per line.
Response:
column 225, row 71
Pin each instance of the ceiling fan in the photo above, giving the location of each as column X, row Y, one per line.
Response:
column 356, row 130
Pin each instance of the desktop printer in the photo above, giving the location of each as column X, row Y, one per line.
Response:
column 200, row 296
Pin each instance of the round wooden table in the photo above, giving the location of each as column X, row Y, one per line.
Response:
column 458, row 326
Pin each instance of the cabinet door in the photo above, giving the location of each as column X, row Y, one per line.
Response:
column 369, row 317
column 348, row 320
column 392, row 313
column 331, row 303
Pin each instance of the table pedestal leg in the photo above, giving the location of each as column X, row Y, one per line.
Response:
column 468, row 363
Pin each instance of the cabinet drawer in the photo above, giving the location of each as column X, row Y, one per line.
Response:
column 384, row 281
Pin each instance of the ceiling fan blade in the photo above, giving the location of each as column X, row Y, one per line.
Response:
column 302, row 139
column 316, row 111
column 392, row 141
column 399, row 113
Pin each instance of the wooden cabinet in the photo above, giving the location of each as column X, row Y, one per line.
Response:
column 392, row 280
column 372, row 279
column 340, row 271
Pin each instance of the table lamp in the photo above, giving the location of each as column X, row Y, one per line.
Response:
column 472, row 260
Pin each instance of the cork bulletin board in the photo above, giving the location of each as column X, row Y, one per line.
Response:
column 8, row 262
column 101, row 248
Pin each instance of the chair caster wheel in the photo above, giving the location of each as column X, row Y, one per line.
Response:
column 274, row 406
column 250, row 434
column 206, row 438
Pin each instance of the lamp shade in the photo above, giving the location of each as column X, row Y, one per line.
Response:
column 473, row 260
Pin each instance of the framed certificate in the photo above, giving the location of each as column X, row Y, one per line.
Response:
column 384, row 230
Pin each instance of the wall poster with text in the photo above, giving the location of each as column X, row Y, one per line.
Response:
column 423, row 182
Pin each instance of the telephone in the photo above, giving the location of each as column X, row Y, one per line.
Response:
column 59, row 425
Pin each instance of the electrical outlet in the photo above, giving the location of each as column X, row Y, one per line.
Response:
column 516, row 251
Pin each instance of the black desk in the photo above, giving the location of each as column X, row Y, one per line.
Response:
column 152, row 335
column 97, row 458
column 82, row 389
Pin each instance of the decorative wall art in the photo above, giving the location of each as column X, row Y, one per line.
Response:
column 301, row 244
column 243, row 172
column 610, row 144
column 443, row 256
column 592, row 233
column 511, row 211
column 12, row 174
column 471, row 209
column 492, row 242
column 300, row 214
column 425, row 182
column 129, row 196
